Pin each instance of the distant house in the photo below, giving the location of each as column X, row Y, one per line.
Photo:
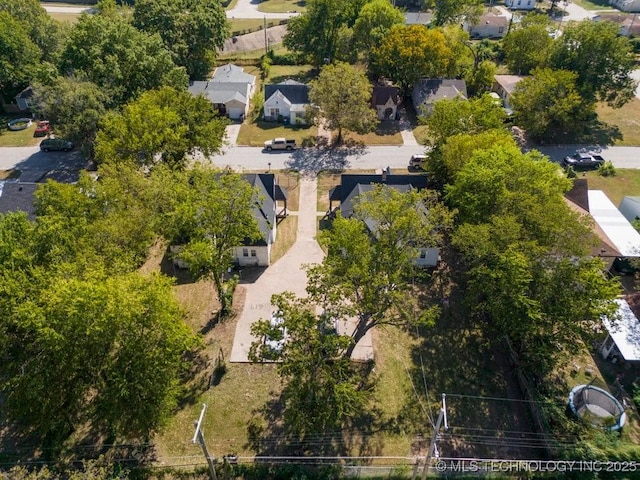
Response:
column 520, row 4
column 418, row 18
column 629, row 24
column 24, row 99
column 630, row 208
column 385, row 100
column 18, row 197
column 504, row 85
column 230, row 90
column 352, row 186
column 489, row 25
column 429, row 90
column 288, row 99
column 626, row 5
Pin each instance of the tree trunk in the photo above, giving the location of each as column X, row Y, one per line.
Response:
column 339, row 137
column 361, row 330
column 222, row 298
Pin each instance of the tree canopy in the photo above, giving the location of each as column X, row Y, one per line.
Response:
column 601, row 59
column 528, row 47
column 40, row 27
column 374, row 23
column 409, row 53
column 162, row 125
column 452, row 11
column 19, row 56
column 120, row 59
column 548, row 106
column 342, row 96
column 192, row 30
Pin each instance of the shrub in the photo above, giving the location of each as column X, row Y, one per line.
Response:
column 607, row 169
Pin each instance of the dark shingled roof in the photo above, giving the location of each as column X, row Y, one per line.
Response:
column 18, row 196
column 264, row 209
column 381, row 94
column 353, row 185
column 296, row 92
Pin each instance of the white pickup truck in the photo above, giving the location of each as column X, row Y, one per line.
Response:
column 279, row 144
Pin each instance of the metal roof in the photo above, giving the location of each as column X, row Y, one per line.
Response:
column 623, row 236
column 625, row 332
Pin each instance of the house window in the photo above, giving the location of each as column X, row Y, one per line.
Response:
column 500, row 29
column 245, row 252
column 274, row 112
column 423, row 254
column 253, row 252
column 519, row 2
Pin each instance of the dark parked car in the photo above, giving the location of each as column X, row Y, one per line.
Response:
column 56, row 145
column 583, row 160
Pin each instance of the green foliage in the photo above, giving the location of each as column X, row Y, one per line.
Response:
column 548, row 106
column 607, row 169
column 341, row 95
column 265, row 67
column 120, row 59
column 160, row 126
column 528, row 47
column 455, row 116
column 40, row 27
column 409, row 53
column 374, row 23
column 74, row 107
column 193, row 30
column 480, row 80
column 19, row 56
column 90, row 470
column 601, row 59
column 452, row 11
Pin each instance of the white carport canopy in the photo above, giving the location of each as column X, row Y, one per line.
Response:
column 625, row 332
column 623, row 236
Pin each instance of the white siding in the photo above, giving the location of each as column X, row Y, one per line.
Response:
column 252, row 256
column 428, row 257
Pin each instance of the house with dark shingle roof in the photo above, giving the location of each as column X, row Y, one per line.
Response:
column 352, row 186
column 427, row 91
column 18, row 197
column 229, row 90
column 288, row 99
column 385, row 100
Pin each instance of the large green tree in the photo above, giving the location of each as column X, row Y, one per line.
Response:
column 62, row 100
column 192, row 30
column 409, row 53
column 41, row 28
column 548, row 106
column 342, row 98
column 117, row 57
column 452, row 11
column 19, row 56
column 601, row 59
column 528, row 47
column 374, row 23
column 163, row 125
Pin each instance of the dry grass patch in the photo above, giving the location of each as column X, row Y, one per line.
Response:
column 299, row 73
column 286, row 237
column 10, row 174
column 421, row 134
column 386, row 133
column 65, row 17
column 627, row 119
column 626, row 182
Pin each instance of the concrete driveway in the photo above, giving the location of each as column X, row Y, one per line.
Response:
column 37, row 166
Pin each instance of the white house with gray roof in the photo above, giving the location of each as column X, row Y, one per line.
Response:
column 229, row 89
column 288, row 99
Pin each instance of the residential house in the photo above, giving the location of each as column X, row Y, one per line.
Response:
column 286, row 100
column 489, row 25
column 265, row 211
column 504, row 85
column 418, row 18
column 623, row 334
column 24, row 99
column 427, row 91
column 629, row 24
column 385, row 100
column 353, row 185
column 520, row 4
column 18, row 197
column 626, row 5
column 230, row 90
column 630, row 208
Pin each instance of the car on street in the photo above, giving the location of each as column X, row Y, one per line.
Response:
column 416, row 162
column 43, row 128
column 56, row 145
column 583, row 160
column 279, row 144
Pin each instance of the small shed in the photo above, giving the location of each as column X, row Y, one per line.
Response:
column 630, row 208
column 623, row 339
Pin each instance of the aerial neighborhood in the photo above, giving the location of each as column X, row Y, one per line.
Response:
column 319, row 239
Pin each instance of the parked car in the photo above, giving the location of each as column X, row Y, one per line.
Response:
column 417, row 161
column 43, row 128
column 275, row 341
column 583, row 160
column 279, row 144
column 56, row 145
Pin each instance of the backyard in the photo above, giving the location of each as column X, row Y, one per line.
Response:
column 627, row 119
column 626, row 182
column 20, row 138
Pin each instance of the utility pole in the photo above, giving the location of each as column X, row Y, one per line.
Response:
column 432, row 445
column 266, row 47
column 198, row 437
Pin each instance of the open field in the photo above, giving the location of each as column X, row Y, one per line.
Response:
column 282, row 6
column 20, row 138
column 625, row 183
column 256, row 133
column 627, row 119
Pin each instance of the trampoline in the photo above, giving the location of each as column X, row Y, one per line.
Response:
column 597, row 407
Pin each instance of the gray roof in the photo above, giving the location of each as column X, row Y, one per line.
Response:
column 264, row 208
column 380, row 95
column 230, row 73
column 430, row 90
column 417, row 18
column 26, row 93
column 220, row 92
column 295, row 92
column 18, row 196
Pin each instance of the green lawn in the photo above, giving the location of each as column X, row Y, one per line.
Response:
column 282, row 6
column 625, row 183
column 627, row 119
column 256, row 133
column 420, row 132
column 594, row 4
column 21, row 138
column 386, row 133
column 65, row 17
column 300, row 73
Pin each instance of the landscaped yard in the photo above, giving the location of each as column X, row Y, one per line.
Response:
column 627, row 119
column 386, row 133
column 256, row 133
column 21, row 138
column 282, row 6
column 625, row 183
